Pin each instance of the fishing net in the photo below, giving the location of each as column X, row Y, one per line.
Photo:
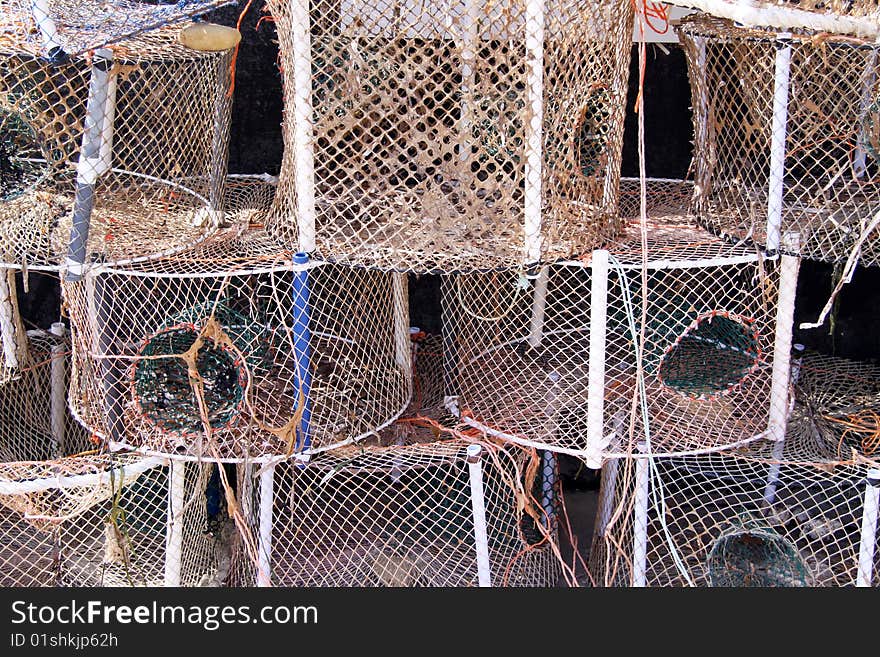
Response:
column 786, row 138
column 112, row 156
column 396, row 516
column 60, row 28
column 842, row 398
column 213, row 338
column 71, row 515
column 766, row 514
column 520, row 360
column 451, row 136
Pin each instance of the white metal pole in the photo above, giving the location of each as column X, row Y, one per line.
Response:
column 781, row 374
column 303, row 144
column 606, row 503
column 478, row 503
column 267, row 500
column 402, row 341
column 174, row 523
column 539, row 306
column 470, row 21
column 534, row 131
column 701, row 119
column 7, row 323
column 868, row 539
column 596, row 371
column 58, row 401
column 640, row 520
column 776, row 186
column 48, row 31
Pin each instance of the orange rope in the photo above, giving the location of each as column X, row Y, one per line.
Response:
column 235, row 52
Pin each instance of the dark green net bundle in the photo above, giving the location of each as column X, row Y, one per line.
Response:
column 715, row 354
column 755, row 557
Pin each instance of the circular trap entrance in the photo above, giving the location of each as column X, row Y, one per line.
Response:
column 715, row 354
column 755, row 557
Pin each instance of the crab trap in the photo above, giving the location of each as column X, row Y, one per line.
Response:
column 554, row 361
column 71, row 515
column 451, row 136
column 780, row 514
column 238, row 349
column 424, row 514
column 112, row 156
column 786, row 137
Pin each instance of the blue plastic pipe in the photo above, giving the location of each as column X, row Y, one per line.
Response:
column 302, row 353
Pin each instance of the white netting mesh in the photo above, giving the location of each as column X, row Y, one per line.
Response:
column 400, row 516
column 786, row 137
column 58, row 27
column 750, row 517
column 113, row 156
column 521, row 362
column 454, row 135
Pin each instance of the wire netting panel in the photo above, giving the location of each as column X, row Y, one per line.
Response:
column 399, row 517
column 741, row 518
column 520, row 360
column 226, row 312
column 824, row 185
column 842, row 399
column 129, row 148
column 81, row 25
column 421, row 118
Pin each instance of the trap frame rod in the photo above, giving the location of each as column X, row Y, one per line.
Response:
column 534, row 18
column 478, row 505
column 95, row 157
column 779, row 129
column 868, row 537
column 174, row 523
column 52, row 43
column 303, row 138
column 58, row 399
column 640, row 520
column 267, row 503
column 8, row 333
column 596, row 372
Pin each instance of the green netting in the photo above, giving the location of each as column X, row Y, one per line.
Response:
column 716, row 353
column 755, row 556
column 22, row 164
column 162, row 387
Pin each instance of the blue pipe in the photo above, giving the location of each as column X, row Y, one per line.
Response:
column 548, row 488
column 302, row 352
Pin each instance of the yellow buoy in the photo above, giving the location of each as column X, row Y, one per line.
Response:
column 209, row 37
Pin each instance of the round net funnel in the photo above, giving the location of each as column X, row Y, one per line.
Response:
column 786, row 136
column 766, row 515
column 230, row 351
column 755, row 557
column 60, row 28
column 843, row 399
column 521, row 361
column 111, row 157
column 452, row 136
column 397, row 517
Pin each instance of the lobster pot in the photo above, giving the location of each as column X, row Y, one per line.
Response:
column 520, row 362
column 69, row 27
column 786, row 137
column 844, row 398
column 103, row 520
column 73, row 517
column 454, row 135
column 396, row 516
column 740, row 518
column 153, row 153
column 226, row 313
